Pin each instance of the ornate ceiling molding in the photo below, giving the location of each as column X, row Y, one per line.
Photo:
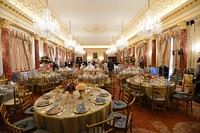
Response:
column 160, row 8
column 13, row 10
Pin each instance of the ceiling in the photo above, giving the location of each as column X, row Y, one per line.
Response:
column 96, row 22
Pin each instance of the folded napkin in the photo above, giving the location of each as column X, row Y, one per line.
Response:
column 80, row 108
column 100, row 100
column 43, row 102
column 23, row 124
column 117, row 102
column 10, row 86
column 103, row 93
column 54, row 109
column 3, row 91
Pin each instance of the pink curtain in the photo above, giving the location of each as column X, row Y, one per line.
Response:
column 20, row 46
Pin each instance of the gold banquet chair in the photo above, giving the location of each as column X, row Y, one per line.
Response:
column 123, row 122
column 125, row 99
column 27, row 124
column 11, row 128
column 159, row 98
column 138, row 92
column 105, row 126
column 185, row 98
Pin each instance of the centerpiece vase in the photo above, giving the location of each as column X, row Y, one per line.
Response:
column 81, row 94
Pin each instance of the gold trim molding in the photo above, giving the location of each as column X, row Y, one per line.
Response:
column 14, row 11
column 182, row 25
column 4, row 23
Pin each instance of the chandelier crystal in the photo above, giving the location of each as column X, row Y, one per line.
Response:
column 46, row 25
column 149, row 25
column 111, row 50
column 70, row 43
column 123, row 42
column 79, row 49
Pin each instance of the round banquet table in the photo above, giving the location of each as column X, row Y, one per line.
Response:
column 148, row 90
column 69, row 121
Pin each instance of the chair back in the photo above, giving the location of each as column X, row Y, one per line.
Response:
column 3, row 112
column 130, row 112
column 2, row 79
column 110, row 87
column 159, row 91
column 22, row 98
column 105, row 126
column 40, row 80
column 126, row 94
column 11, row 128
column 137, row 88
column 187, row 81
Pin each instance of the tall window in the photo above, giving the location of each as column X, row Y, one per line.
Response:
column 171, row 58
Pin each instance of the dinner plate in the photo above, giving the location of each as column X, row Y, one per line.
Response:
column 47, row 96
column 43, row 104
column 54, row 110
column 82, row 112
column 99, row 103
column 103, row 95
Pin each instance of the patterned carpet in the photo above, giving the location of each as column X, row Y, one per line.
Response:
column 175, row 121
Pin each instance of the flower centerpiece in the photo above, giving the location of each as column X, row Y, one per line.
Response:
column 45, row 60
column 70, row 88
column 130, row 59
column 147, row 77
column 81, row 87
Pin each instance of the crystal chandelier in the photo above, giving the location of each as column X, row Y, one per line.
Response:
column 70, row 43
column 111, row 50
column 149, row 25
column 79, row 49
column 122, row 43
column 46, row 26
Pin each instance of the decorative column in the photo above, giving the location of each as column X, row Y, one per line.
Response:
column 45, row 47
column 145, row 51
column 183, row 47
column 57, row 52
column 6, row 57
column 153, row 53
column 133, row 54
column 37, row 56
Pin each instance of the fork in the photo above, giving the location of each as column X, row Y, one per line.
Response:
column 61, row 112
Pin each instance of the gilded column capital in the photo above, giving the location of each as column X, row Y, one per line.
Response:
column 44, row 40
column 145, row 40
column 36, row 36
column 154, row 36
column 182, row 25
column 4, row 23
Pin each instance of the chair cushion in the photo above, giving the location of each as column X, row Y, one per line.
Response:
column 120, row 121
column 118, row 104
column 137, row 94
column 27, row 124
column 180, row 92
column 29, row 111
column 157, row 98
column 180, row 96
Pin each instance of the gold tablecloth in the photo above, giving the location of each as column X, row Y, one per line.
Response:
column 68, row 121
column 171, row 88
column 148, row 90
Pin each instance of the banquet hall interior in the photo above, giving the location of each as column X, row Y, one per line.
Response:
column 88, row 66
